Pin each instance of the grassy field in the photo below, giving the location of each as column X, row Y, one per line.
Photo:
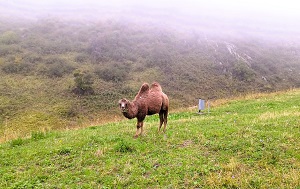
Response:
column 250, row 142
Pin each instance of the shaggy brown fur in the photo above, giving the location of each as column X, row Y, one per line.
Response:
column 148, row 101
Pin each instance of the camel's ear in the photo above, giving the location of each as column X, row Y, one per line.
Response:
column 120, row 102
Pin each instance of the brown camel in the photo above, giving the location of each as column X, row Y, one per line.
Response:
column 149, row 100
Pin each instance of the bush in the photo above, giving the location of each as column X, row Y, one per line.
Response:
column 32, row 58
column 115, row 72
column 55, row 60
column 9, row 37
column 17, row 68
column 81, row 58
column 59, row 69
column 9, row 49
column 242, row 72
column 68, row 112
column 83, row 83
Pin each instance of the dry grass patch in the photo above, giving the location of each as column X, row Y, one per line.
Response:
column 277, row 115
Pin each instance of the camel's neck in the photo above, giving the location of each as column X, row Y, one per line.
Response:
column 132, row 110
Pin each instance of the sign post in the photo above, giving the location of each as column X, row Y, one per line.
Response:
column 201, row 105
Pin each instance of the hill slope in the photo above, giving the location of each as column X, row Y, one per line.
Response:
column 252, row 142
column 63, row 73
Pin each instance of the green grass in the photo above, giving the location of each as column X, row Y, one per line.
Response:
column 252, row 142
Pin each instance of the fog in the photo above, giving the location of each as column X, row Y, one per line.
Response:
column 267, row 18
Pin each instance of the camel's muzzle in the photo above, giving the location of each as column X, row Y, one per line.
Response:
column 123, row 109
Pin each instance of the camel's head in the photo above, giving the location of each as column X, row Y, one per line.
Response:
column 123, row 104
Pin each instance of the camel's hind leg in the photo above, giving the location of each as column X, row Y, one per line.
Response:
column 161, row 118
column 165, row 120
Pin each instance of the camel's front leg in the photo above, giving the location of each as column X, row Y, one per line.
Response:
column 142, row 128
column 138, row 127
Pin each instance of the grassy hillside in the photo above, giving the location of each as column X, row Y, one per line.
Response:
column 65, row 73
column 250, row 142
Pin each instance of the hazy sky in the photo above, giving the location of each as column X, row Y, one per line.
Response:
column 267, row 7
column 279, row 13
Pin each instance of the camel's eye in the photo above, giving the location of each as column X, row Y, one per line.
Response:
column 122, row 104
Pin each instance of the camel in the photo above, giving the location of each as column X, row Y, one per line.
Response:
column 148, row 101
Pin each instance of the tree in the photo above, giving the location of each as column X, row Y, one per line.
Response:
column 83, row 83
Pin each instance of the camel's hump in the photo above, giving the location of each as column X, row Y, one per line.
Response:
column 144, row 88
column 155, row 87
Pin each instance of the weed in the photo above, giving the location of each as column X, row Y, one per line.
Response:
column 64, row 151
column 37, row 135
column 17, row 142
column 124, row 146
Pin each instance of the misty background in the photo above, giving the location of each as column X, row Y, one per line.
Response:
column 267, row 19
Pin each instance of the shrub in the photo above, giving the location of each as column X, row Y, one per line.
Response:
column 9, row 37
column 55, row 60
column 17, row 68
column 59, row 69
column 68, row 112
column 83, row 83
column 242, row 72
column 115, row 72
column 8, row 49
column 81, row 58
column 32, row 58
